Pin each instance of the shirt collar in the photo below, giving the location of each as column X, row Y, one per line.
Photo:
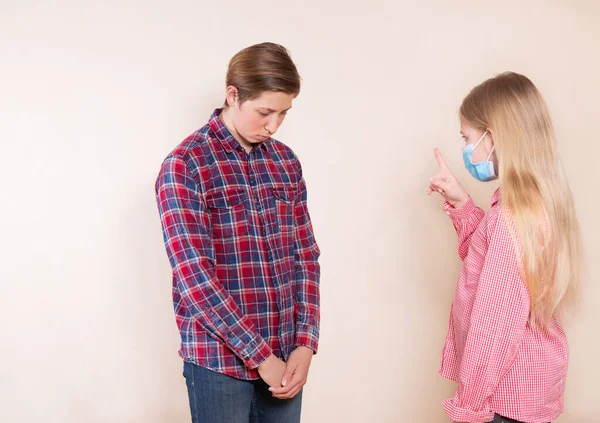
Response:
column 227, row 140
column 495, row 197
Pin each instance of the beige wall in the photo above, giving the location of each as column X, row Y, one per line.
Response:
column 93, row 97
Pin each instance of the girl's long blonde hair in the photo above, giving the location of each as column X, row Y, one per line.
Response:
column 534, row 188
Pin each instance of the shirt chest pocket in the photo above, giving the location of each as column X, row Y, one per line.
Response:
column 283, row 199
column 228, row 215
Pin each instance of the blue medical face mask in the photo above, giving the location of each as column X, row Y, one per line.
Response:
column 482, row 171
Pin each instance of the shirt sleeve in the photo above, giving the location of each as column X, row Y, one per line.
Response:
column 307, row 273
column 465, row 221
column 496, row 326
column 185, row 219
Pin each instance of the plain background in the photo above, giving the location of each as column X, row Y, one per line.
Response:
column 94, row 95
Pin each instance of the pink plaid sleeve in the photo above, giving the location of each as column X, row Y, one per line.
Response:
column 496, row 326
column 465, row 221
column 185, row 221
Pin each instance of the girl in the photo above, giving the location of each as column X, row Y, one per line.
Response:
column 505, row 346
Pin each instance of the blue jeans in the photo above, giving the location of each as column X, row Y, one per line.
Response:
column 217, row 398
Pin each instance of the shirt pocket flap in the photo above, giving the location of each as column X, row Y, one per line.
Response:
column 287, row 195
column 226, row 199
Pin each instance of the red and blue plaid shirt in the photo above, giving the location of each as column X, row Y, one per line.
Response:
column 240, row 242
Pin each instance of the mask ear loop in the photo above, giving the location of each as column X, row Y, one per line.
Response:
column 477, row 143
column 492, row 163
column 490, row 155
column 482, row 137
column 493, row 147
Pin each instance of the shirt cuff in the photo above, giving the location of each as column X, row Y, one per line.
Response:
column 255, row 353
column 307, row 336
column 460, row 214
column 465, row 414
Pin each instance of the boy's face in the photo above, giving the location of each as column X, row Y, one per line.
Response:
column 258, row 119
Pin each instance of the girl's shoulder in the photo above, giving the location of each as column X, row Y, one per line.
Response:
column 499, row 221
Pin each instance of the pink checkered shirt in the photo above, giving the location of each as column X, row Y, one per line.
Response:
column 502, row 364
